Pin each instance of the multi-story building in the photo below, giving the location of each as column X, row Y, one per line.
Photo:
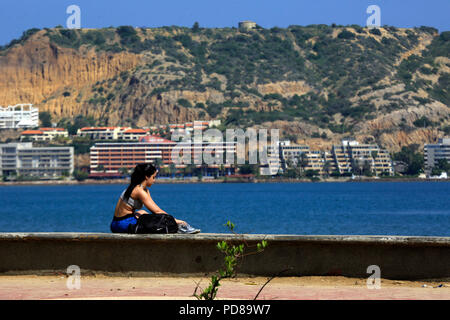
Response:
column 347, row 157
column 22, row 159
column 129, row 134
column 19, row 116
column 189, row 127
column 351, row 156
column 290, row 153
column 383, row 163
column 271, row 165
column 321, row 162
column 314, row 161
column 435, row 152
column 110, row 157
column 179, row 128
column 133, row 134
column 342, row 157
column 329, row 165
column 102, row 133
column 43, row 134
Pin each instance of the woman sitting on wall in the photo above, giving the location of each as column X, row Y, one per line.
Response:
column 128, row 208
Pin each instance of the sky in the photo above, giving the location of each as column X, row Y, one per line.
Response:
column 16, row 16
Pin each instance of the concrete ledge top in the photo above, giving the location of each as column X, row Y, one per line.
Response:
column 214, row 237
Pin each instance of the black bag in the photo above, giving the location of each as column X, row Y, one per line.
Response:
column 154, row 223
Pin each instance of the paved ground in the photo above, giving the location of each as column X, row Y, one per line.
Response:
column 291, row 288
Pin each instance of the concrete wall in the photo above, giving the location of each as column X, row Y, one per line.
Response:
column 181, row 255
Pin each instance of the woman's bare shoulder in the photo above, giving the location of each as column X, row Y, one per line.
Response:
column 141, row 193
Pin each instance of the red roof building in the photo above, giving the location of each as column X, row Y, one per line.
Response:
column 44, row 134
column 113, row 156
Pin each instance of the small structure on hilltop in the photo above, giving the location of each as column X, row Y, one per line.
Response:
column 247, row 25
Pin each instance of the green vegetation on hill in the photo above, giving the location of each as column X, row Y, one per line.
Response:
column 26, row 35
column 426, row 64
column 340, row 64
column 412, row 157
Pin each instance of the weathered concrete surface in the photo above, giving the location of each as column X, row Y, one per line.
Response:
column 405, row 258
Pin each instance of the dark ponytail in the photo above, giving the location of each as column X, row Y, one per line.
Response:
column 139, row 174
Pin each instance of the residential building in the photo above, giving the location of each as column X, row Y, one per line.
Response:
column 189, row 127
column 22, row 159
column 291, row 153
column 273, row 161
column 43, row 134
column 329, row 164
column 435, row 152
column 352, row 156
column 133, row 134
column 314, row 161
column 348, row 157
column 102, row 133
column 112, row 156
column 19, row 116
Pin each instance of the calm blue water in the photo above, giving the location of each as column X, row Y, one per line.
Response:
column 380, row 208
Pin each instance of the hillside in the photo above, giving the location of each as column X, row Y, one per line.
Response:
column 317, row 83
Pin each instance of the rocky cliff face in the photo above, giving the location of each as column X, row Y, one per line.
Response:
column 315, row 83
column 54, row 78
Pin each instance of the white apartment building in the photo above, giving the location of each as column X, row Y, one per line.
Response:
column 435, row 152
column 342, row 158
column 43, row 134
column 189, row 127
column 351, row 153
column 102, row 133
column 133, row 134
column 19, row 116
column 270, row 164
column 22, row 159
column 291, row 152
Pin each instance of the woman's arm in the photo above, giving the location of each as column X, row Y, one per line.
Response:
column 149, row 203
column 152, row 206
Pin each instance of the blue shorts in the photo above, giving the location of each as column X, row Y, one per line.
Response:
column 120, row 225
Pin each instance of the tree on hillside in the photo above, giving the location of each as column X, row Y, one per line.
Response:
column 441, row 166
column 80, row 122
column 195, row 27
column 45, row 118
column 303, row 161
column 327, row 168
column 367, row 168
column 412, row 158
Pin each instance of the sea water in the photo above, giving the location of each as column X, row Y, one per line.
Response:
column 354, row 208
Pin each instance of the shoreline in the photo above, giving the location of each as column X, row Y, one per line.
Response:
column 214, row 181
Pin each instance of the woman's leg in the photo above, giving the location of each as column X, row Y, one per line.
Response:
column 122, row 225
column 139, row 213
